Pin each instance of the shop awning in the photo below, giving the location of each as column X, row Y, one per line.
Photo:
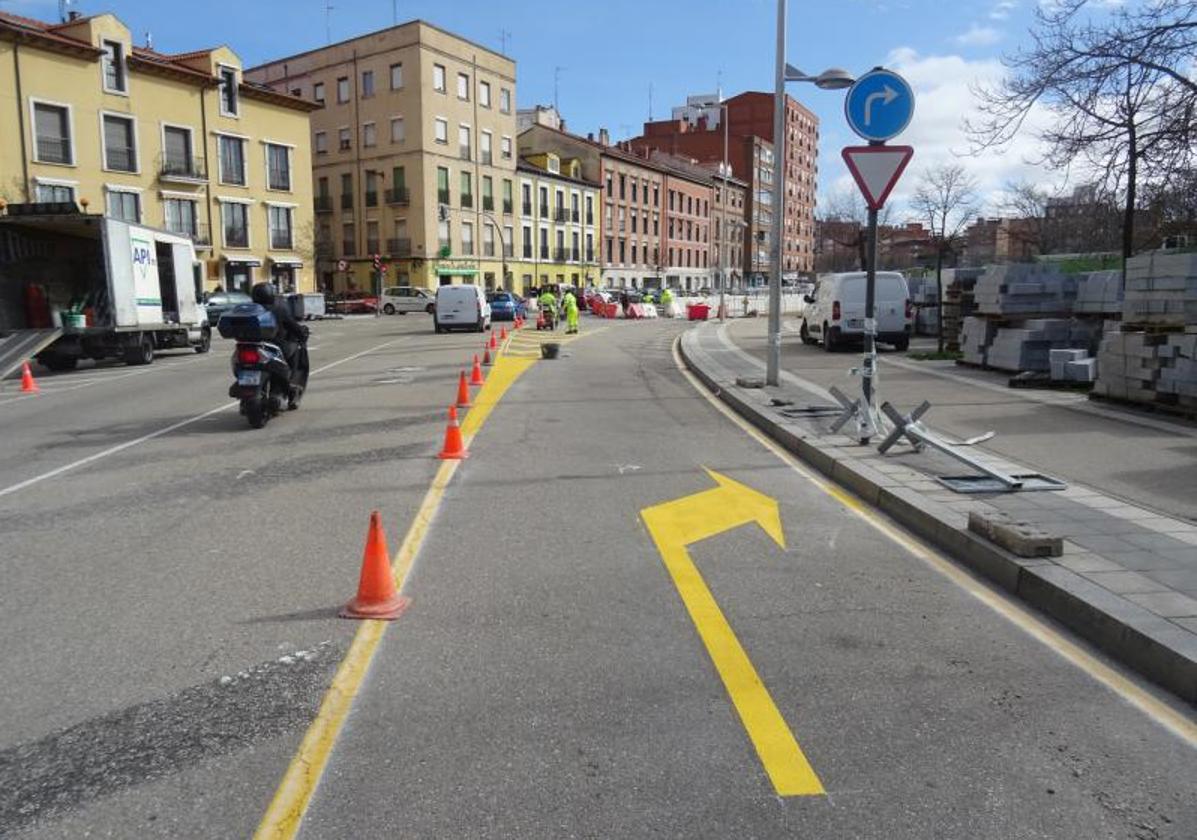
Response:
column 464, row 272
column 252, row 262
column 291, row 261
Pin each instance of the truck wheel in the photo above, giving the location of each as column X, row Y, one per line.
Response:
column 142, row 353
column 205, row 341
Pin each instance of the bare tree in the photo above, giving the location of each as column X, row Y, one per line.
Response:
column 946, row 200
column 845, row 224
column 1121, row 106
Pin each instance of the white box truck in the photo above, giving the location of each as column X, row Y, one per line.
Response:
column 75, row 285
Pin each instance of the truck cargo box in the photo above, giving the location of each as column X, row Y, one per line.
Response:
column 248, row 322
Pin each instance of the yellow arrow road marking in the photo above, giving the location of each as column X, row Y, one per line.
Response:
column 682, row 522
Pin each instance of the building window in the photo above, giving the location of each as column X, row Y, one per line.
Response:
column 348, row 239
column 280, row 228
column 232, row 160
column 508, row 199
column 463, row 86
column 656, row 196
column 371, row 188
column 120, row 150
column 369, row 134
column 544, row 202
column 444, row 236
column 396, row 76
column 373, row 245
column 124, row 205
column 488, row 193
column 346, row 191
column 634, row 223
column 623, row 251
column 486, row 140
column 505, row 100
column 114, row 67
column 180, row 216
column 344, row 141
column 623, row 184
column 228, row 91
column 52, row 129
column 484, row 94
column 590, row 247
column 610, row 251
column 467, row 238
column 575, row 252
column 526, row 196
column 441, row 131
column 318, row 92
column 398, row 131
column 235, row 218
column 463, row 142
column 527, row 242
column 634, row 190
column 438, row 78
column 589, row 209
column 544, row 243
column 505, row 148
column 634, row 260
column 278, row 167
column 442, row 185
column 55, row 192
column 321, row 143
column 467, row 190
column 488, row 240
column 343, row 90
column 508, row 241
column 367, row 84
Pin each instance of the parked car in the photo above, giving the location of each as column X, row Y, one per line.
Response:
column 505, row 306
column 461, row 307
column 354, row 303
column 835, row 310
column 220, row 302
column 404, row 299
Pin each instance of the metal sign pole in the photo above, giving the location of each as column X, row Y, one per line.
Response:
column 868, row 370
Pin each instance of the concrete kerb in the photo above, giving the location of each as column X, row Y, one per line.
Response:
column 1143, row 642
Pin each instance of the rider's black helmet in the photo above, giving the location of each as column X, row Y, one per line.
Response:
column 263, row 294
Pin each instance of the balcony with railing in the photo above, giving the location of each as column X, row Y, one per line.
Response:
column 467, row 200
column 507, row 207
column 281, row 240
column 590, row 220
column 347, row 201
column 372, row 199
column 560, row 254
column 590, row 255
column 323, row 203
column 399, row 195
column 526, row 208
column 236, row 236
column 199, row 234
column 373, row 246
column 544, row 252
column 183, row 169
column 544, row 211
column 399, row 247
column 561, row 215
column 527, row 251
column 348, row 248
column 442, row 197
column 488, row 202
column 574, row 216
column 575, row 255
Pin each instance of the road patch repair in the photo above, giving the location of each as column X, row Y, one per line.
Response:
column 1100, row 538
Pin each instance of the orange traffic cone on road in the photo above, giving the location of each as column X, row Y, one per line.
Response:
column 376, row 594
column 492, row 344
column 463, row 392
column 476, row 373
column 503, row 334
column 454, row 448
column 28, row 383
column 485, row 356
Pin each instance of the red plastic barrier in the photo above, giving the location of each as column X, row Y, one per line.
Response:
column 698, row 311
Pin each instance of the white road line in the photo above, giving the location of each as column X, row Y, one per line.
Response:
column 121, row 447
column 49, row 386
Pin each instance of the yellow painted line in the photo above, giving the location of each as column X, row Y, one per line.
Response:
column 682, row 522
column 1163, row 713
column 294, row 794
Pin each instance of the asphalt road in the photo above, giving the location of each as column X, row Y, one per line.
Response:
column 169, row 616
column 1146, row 459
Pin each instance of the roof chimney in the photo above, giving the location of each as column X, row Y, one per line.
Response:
column 72, row 15
column 604, row 137
column 590, row 136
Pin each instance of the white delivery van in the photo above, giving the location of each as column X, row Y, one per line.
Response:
column 835, row 310
column 404, row 299
column 77, row 285
column 461, row 307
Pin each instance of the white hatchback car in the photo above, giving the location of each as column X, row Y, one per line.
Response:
column 404, row 299
column 461, row 307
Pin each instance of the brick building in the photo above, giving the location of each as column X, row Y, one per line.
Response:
column 750, row 151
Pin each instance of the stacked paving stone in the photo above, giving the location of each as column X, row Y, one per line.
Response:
column 1161, row 290
column 1028, row 347
column 1099, row 293
column 959, row 302
column 1025, row 289
column 976, row 334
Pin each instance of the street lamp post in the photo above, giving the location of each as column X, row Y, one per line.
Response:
column 833, row 79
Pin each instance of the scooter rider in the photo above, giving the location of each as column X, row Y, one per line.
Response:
column 294, row 334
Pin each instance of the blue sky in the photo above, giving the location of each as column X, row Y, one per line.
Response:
column 611, row 50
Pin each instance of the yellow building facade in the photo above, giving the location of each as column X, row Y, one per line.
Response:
column 414, row 156
column 558, row 225
column 177, row 142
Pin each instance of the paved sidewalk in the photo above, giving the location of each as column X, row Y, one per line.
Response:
column 1127, row 580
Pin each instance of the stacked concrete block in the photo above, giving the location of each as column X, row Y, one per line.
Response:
column 1023, row 290
column 976, row 334
column 1178, row 368
column 1081, row 370
column 1059, row 360
column 1099, row 293
column 1029, row 346
column 1128, row 365
column 959, row 301
column 1161, row 290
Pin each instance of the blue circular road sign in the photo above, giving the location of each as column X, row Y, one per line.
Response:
column 879, row 106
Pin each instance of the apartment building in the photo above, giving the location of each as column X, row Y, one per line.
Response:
column 696, row 131
column 558, row 232
column 175, row 141
column 631, row 223
column 689, row 199
column 729, row 207
column 414, row 156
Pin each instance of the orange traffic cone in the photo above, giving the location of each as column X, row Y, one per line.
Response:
column 476, row 373
column 28, row 384
column 376, row 594
column 503, row 334
column 463, row 392
column 454, row 448
column 492, row 344
column 485, row 356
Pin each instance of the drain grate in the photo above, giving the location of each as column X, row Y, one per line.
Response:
column 986, row 484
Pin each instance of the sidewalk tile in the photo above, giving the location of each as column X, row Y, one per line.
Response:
column 1088, row 563
column 1166, row 525
column 1126, row 583
column 1153, row 542
column 1104, row 544
column 1141, row 560
column 1184, row 580
column 1167, row 604
column 1187, row 623
column 1182, row 556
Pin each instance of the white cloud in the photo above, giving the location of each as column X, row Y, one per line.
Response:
column 943, row 100
column 978, row 36
column 1002, row 9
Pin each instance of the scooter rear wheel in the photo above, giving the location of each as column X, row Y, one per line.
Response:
column 256, row 411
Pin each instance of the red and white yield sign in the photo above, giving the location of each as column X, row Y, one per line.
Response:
column 877, row 169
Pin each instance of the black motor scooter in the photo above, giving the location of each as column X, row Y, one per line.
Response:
column 263, row 378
